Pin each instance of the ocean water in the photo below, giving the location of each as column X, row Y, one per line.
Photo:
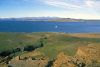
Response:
column 29, row 26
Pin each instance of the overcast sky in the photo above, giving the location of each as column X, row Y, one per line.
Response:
column 85, row 9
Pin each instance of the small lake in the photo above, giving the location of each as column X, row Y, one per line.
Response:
column 29, row 26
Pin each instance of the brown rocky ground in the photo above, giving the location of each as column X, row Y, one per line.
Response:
column 30, row 54
column 28, row 60
column 87, row 56
column 16, row 62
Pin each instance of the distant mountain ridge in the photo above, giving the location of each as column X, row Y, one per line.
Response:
column 54, row 19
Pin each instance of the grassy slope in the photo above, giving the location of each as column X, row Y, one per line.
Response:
column 57, row 43
column 54, row 44
column 14, row 40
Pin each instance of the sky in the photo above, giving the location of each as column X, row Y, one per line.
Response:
column 79, row 9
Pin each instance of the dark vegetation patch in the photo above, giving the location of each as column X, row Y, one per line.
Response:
column 50, row 63
column 33, row 47
column 8, row 52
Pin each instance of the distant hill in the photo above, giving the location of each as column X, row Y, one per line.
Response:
column 54, row 19
column 92, row 20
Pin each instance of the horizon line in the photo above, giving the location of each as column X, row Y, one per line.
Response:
column 51, row 17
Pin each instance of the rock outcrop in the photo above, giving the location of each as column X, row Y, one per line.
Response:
column 63, row 60
column 16, row 62
column 28, row 60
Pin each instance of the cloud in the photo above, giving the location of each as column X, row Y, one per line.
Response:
column 93, row 3
column 60, row 4
column 88, row 4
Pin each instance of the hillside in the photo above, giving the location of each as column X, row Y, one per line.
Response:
column 47, row 49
